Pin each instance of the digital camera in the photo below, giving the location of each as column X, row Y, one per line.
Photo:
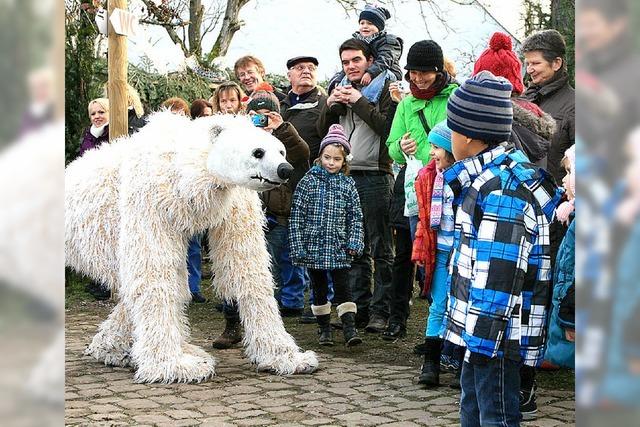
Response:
column 260, row 120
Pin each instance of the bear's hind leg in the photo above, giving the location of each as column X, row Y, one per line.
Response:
column 160, row 351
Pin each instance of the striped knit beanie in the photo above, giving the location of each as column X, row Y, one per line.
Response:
column 440, row 136
column 336, row 135
column 375, row 15
column 263, row 98
column 481, row 108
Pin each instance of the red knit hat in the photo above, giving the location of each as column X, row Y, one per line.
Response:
column 500, row 60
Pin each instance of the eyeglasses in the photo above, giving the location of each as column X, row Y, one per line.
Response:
column 301, row 68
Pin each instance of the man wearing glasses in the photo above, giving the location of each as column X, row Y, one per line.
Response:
column 250, row 73
column 302, row 105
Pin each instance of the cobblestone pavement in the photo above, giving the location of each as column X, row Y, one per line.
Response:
column 343, row 392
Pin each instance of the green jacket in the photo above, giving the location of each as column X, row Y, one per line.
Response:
column 406, row 120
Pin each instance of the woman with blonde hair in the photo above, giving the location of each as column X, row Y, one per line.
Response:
column 98, row 132
column 135, row 113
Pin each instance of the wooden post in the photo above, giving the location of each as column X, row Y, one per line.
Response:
column 117, row 86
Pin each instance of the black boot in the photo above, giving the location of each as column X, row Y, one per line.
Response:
column 323, row 317
column 325, row 334
column 430, row 373
column 232, row 334
column 347, row 313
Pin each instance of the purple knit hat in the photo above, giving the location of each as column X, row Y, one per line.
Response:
column 336, row 135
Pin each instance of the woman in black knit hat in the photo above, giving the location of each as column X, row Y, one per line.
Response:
column 415, row 116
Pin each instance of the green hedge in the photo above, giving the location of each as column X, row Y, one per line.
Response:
column 89, row 81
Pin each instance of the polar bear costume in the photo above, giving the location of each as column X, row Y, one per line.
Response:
column 131, row 207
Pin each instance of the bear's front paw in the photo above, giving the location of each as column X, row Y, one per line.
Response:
column 187, row 368
column 111, row 356
column 296, row 362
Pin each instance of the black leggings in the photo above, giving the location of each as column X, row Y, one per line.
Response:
column 341, row 289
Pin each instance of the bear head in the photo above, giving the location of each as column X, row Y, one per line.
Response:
column 244, row 155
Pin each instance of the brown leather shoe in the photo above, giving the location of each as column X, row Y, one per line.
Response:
column 232, row 335
column 376, row 324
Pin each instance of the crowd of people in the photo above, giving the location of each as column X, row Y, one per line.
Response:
column 466, row 188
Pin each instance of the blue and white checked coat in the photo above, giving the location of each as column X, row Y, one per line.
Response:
column 326, row 220
column 500, row 268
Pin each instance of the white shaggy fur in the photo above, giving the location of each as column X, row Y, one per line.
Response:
column 131, row 208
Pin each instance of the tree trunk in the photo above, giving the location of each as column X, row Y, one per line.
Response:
column 117, row 88
column 196, row 11
column 230, row 25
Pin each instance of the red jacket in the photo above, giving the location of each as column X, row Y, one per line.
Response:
column 424, row 245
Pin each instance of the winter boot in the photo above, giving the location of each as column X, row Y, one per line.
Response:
column 347, row 314
column 323, row 316
column 430, row 372
column 232, row 334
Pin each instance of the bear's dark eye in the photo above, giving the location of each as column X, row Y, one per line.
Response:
column 282, row 153
column 258, row 153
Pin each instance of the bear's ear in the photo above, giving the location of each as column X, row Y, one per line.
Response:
column 215, row 131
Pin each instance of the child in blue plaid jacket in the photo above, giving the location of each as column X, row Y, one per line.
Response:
column 326, row 232
column 500, row 267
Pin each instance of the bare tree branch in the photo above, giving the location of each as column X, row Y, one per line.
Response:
column 230, row 25
column 166, row 18
column 196, row 12
column 213, row 15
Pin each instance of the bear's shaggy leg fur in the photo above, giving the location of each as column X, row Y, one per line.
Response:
column 155, row 297
column 241, row 269
column 112, row 343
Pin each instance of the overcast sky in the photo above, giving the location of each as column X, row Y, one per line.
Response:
column 276, row 30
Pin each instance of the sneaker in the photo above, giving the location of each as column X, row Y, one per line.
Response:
column 198, row 298
column 445, row 363
column 528, row 406
column 308, row 317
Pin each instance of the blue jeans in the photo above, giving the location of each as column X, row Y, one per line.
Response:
column 194, row 262
column 438, row 305
column 490, row 394
column 291, row 281
column 375, row 194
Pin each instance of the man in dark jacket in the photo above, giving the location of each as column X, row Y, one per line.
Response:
column 363, row 115
column 303, row 104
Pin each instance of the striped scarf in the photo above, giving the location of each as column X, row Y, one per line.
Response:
column 368, row 39
column 436, row 200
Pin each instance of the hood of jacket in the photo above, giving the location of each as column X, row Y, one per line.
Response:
column 533, row 118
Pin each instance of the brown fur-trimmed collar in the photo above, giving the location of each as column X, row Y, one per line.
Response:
column 544, row 125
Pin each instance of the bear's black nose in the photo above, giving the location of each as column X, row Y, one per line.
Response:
column 285, row 170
